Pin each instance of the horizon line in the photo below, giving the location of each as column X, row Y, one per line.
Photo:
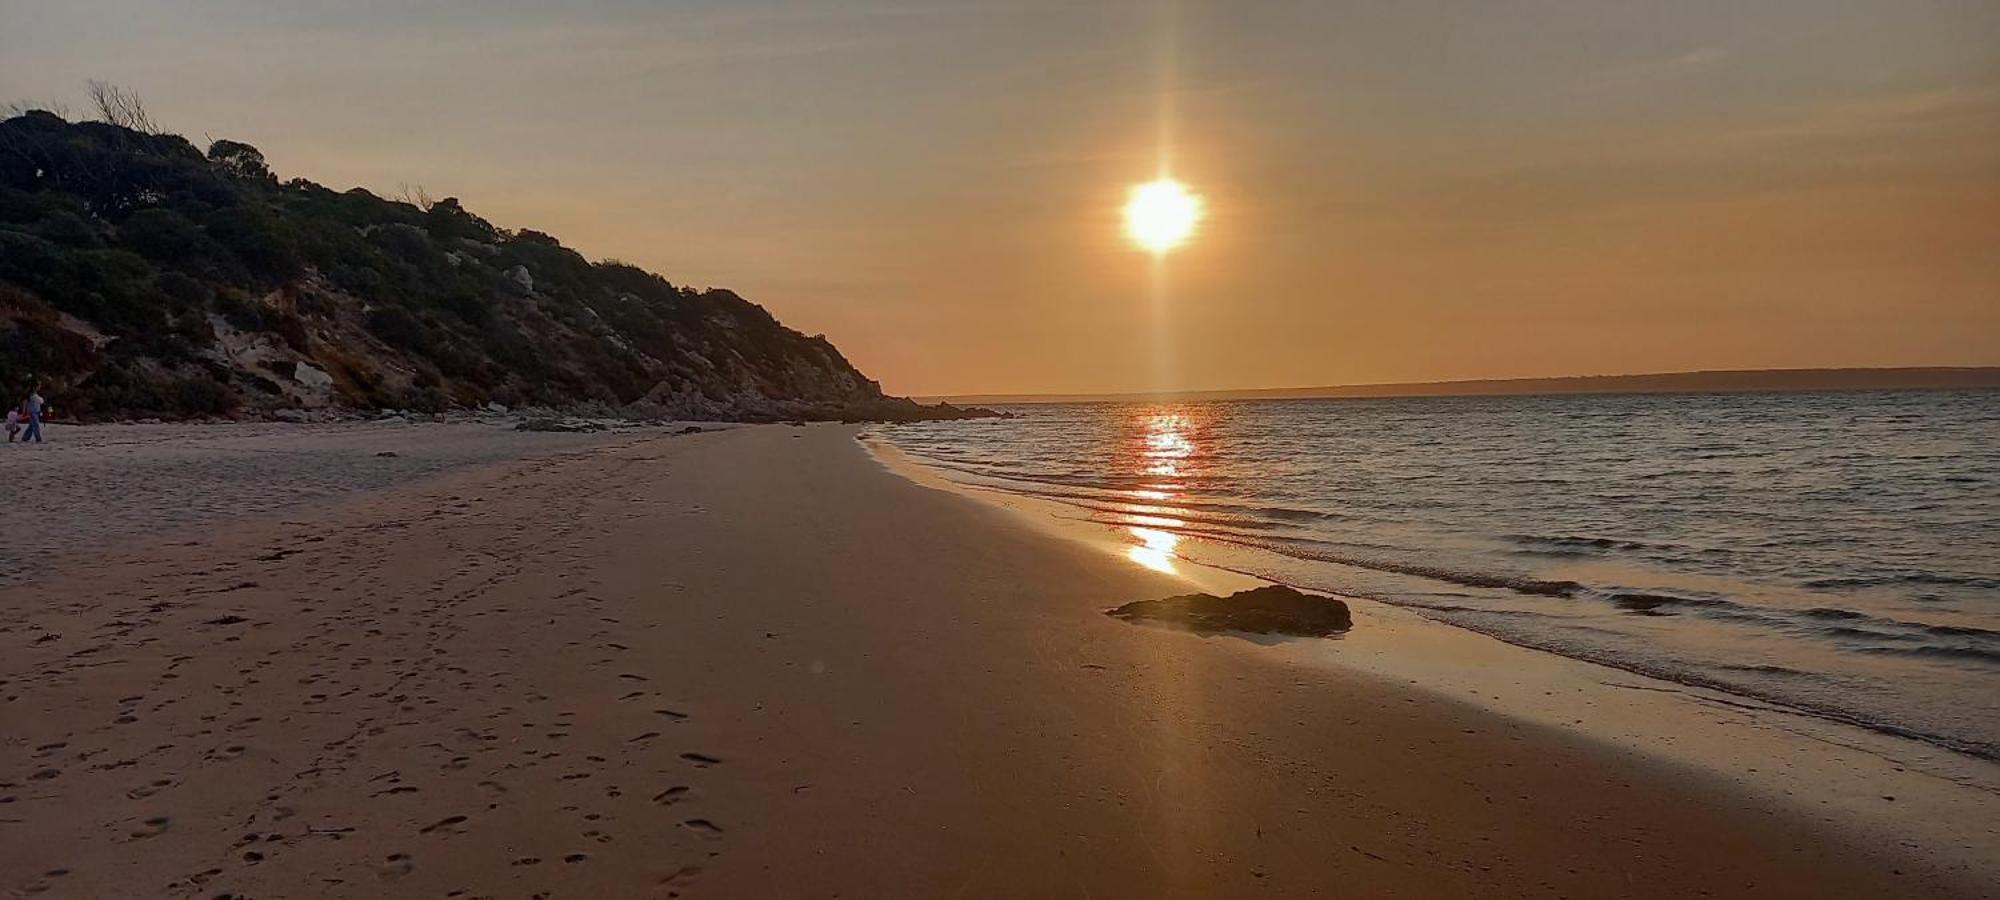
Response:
column 1854, row 378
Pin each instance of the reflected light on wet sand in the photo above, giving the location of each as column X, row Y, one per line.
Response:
column 1155, row 550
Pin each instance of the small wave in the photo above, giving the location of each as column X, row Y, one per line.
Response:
column 1457, row 608
column 1880, row 628
column 1651, row 604
column 1301, row 549
column 1169, row 519
column 1962, row 631
column 1294, row 515
column 1974, row 654
column 1571, row 542
column 1928, row 578
column 1866, row 634
column 1238, row 513
column 1769, row 669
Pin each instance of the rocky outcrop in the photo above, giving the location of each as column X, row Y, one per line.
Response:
column 561, row 426
column 1276, row 609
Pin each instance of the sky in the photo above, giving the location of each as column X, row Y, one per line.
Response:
column 1394, row 191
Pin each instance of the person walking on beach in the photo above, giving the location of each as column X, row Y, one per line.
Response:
column 34, row 408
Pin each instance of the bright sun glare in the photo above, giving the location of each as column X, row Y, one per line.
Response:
column 1161, row 214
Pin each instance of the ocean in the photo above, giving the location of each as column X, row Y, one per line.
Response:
column 1836, row 553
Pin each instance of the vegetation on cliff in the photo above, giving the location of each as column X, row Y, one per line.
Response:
column 140, row 275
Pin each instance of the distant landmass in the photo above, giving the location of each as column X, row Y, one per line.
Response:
column 141, row 276
column 1708, row 382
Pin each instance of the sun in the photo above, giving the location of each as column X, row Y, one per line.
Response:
column 1161, row 215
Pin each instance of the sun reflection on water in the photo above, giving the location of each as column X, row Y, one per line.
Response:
column 1165, row 448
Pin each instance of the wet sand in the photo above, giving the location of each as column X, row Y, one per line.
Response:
column 756, row 663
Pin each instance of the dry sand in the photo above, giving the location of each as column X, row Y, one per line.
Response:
column 755, row 663
column 93, row 486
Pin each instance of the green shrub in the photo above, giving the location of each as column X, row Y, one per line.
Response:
column 398, row 328
column 164, row 235
column 265, row 244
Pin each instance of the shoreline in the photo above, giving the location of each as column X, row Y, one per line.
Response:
column 1943, row 797
column 757, row 661
column 1043, row 512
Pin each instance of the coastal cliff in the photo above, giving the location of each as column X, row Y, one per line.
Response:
column 140, row 276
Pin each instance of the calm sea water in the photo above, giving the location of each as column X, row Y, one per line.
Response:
column 1836, row 553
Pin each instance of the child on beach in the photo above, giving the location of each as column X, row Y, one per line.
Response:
column 13, row 424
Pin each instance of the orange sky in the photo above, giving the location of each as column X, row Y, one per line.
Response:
column 1394, row 193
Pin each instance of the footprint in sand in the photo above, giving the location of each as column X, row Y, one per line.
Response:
column 397, row 865
column 681, row 877
column 701, row 760
column 39, row 886
column 154, row 826
column 147, row 790
column 703, row 827
column 447, row 825
column 671, row 795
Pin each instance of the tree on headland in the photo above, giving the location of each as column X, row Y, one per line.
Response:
column 121, row 107
column 240, row 159
column 415, row 195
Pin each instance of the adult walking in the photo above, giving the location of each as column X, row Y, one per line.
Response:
column 34, row 405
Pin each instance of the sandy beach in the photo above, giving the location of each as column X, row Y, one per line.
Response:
column 757, row 662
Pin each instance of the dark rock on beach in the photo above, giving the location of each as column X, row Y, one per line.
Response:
column 565, row 426
column 1267, row 610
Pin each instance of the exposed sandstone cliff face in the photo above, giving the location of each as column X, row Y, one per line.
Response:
column 139, row 276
